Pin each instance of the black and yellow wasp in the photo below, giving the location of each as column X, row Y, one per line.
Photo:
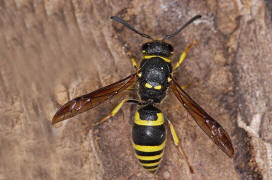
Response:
column 154, row 77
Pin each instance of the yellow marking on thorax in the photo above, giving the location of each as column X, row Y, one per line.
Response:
column 152, row 56
column 158, row 87
column 149, row 148
column 158, row 122
column 148, row 85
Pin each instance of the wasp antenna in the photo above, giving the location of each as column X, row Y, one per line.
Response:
column 184, row 26
column 130, row 27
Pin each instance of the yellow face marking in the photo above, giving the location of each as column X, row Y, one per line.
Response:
column 158, row 122
column 149, row 158
column 151, row 164
column 148, row 85
column 151, row 56
column 158, row 87
column 169, row 79
column 149, row 148
column 139, row 74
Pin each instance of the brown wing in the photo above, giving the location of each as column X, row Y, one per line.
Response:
column 213, row 129
column 89, row 101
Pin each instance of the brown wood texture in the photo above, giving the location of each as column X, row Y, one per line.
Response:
column 53, row 51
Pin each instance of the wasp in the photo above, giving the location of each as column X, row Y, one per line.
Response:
column 154, row 76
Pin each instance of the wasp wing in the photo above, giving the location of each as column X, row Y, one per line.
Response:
column 212, row 128
column 91, row 100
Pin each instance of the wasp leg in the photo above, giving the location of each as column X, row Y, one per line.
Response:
column 178, row 145
column 183, row 55
column 134, row 64
column 116, row 110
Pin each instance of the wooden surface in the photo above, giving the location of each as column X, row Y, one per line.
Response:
column 52, row 51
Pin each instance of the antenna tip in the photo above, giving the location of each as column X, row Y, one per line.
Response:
column 197, row 16
column 114, row 17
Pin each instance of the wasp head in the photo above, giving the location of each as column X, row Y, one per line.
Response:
column 159, row 48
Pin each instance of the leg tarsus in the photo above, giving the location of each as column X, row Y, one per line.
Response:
column 181, row 150
column 178, row 145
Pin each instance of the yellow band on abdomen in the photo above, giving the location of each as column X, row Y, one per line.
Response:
column 149, row 158
column 149, row 148
column 151, row 164
column 158, row 122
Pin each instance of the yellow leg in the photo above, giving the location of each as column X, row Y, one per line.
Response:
column 183, row 55
column 178, row 145
column 113, row 112
column 136, row 66
column 134, row 63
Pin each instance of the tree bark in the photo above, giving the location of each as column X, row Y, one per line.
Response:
column 53, row 51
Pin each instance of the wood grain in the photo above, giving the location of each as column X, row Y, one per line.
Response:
column 53, row 51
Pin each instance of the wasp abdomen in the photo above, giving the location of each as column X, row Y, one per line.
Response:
column 148, row 135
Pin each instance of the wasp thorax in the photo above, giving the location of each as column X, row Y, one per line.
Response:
column 159, row 48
